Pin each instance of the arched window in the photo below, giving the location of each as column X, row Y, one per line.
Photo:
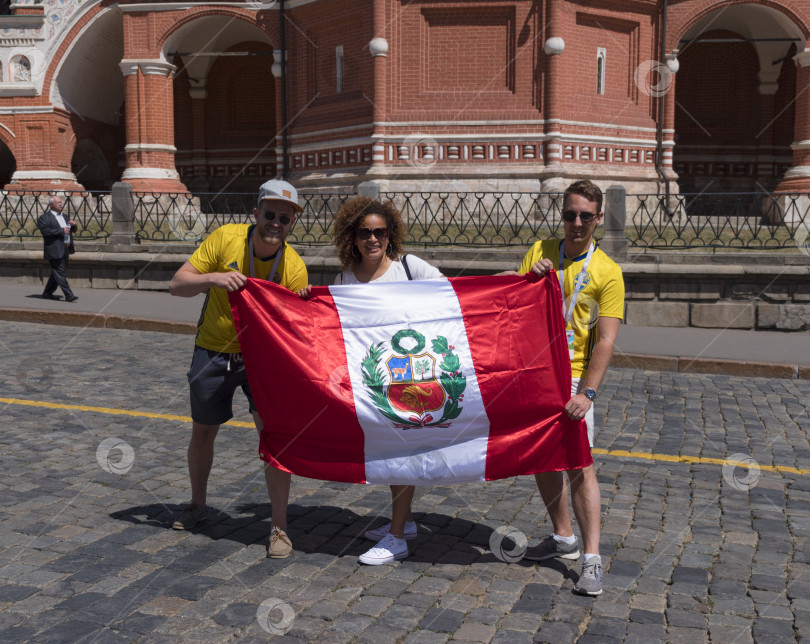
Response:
column 600, row 70
column 20, row 70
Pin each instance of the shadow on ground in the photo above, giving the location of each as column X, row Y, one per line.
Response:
column 332, row 531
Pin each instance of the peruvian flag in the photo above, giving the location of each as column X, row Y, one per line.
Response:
column 418, row 382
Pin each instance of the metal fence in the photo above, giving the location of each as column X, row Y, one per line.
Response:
column 719, row 220
column 434, row 218
column 731, row 221
column 172, row 218
column 19, row 211
column 478, row 218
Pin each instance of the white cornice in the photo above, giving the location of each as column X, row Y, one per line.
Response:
column 330, row 145
column 538, row 122
column 475, row 137
column 483, row 138
column 335, row 130
column 456, row 123
column 255, row 5
column 149, row 66
column 798, row 172
column 532, row 123
column 149, row 173
column 42, row 174
column 18, row 89
column 611, row 126
column 22, row 21
column 27, row 109
column 613, row 140
column 149, row 147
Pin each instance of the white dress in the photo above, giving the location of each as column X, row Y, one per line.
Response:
column 420, row 270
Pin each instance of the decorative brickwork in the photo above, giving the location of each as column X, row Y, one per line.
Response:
column 470, row 93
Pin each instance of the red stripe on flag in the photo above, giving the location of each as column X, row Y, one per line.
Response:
column 296, row 365
column 517, row 338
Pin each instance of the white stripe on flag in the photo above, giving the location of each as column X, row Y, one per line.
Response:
column 374, row 313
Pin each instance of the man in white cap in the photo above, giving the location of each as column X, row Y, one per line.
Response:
column 221, row 264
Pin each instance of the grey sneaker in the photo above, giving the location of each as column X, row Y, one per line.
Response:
column 590, row 581
column 189, row 517
column 549, row 548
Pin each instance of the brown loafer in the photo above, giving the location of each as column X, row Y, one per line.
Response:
column 280, row 545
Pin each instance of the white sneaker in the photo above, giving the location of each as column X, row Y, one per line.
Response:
column 386, row 551
column 379, row 533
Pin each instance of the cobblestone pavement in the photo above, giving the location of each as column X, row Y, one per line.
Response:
column 695, row 552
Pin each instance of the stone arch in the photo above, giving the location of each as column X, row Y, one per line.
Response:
column 223, row 104
column 88, row 80
column 695, row 21
column 734, row 92
column 169, row 37
column 8, row 163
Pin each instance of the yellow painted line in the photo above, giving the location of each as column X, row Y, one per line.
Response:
column 646, row 456
column 670, row 458
column 110, row 410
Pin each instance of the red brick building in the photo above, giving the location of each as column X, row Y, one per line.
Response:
column 427, row 94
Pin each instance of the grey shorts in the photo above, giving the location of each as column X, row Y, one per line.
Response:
column 213, row 379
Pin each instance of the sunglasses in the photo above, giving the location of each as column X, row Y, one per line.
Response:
column 585, row 217
column 271, row 216
column 366, row 233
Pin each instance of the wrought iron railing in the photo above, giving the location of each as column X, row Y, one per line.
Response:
column 431, row 218
column 19, row 211
column 685, row 221
column 719, row 220
column 191, row 218
column 434, row 218
column 478, row 218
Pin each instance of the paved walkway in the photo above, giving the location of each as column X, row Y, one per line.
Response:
column 756, row 353
column 92, row 447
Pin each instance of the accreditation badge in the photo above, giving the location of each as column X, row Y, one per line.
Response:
column 569, row 335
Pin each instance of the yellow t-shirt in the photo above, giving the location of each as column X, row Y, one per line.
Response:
column 227, row 249
column 602, row 296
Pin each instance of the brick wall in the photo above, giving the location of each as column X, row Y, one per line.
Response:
column 467, row 76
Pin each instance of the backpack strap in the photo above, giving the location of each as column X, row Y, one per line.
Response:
column 405, row 266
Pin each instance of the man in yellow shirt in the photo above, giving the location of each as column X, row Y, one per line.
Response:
column 221, row 264
column 593, row 310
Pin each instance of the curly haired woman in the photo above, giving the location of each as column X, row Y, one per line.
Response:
column 369, row 238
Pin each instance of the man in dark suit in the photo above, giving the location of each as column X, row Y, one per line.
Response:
column 56, row 234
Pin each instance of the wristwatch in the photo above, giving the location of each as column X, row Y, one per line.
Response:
column 590, row 394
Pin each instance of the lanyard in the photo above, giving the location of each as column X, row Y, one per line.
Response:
column 272, row 274
column 578, row 286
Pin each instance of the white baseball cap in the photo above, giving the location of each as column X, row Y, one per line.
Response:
column 280, row 190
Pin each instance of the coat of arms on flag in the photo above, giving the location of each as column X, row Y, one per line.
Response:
column 410, row 393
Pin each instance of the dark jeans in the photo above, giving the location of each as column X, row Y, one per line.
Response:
column 59, row 277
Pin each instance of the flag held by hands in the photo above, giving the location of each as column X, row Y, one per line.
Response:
column 419, row 382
